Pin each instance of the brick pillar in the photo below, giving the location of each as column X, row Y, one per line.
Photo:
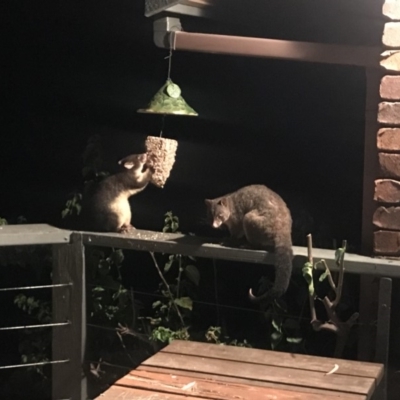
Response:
column 386, row 217
column 380, row 156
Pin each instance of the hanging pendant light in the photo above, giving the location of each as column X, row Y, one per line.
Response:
column 168, row 100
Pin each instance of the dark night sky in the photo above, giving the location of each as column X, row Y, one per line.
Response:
column 74, row 70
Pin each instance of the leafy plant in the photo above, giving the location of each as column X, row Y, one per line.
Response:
column 110, row 302
column 72, row 206
column 35, row 344
column 214, row 335
column 166, row 335
column 179, row 281
column 34, row 261
column 3, row 221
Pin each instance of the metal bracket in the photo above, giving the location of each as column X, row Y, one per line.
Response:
column 163, row 29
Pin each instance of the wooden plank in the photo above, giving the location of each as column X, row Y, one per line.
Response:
column 69, row 304
column 211, row 388
column 289, row 376
column 250, row 382
column 123, row 393
column 175, row 243
column 143, row 240
column 31, row 234
column 275, row 48
column 274, row 358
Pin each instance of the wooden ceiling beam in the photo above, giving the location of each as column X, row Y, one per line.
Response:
column 168, row 34
column 186, row 7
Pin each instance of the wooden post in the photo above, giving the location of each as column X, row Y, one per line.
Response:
column 383, row 332
column 375, row 189
column 69, row 305
column 369, row 290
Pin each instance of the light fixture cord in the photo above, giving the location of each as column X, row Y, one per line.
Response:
column 169, row 63
column 169, row 56
column 172, row 44
column 162, row 125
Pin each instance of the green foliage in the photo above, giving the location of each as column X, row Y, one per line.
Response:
column 3, row 221
column 214, row 335
column 35, row 344
column 171, row 222
column 307, row 271
column 286, row 331
column 39, row 309
column 110, row 302
column 166, row 335
column 339, row 255
column 72, row 206
column 91, row 172
column 173, row 311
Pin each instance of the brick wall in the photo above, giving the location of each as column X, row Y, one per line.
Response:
column 386, row 218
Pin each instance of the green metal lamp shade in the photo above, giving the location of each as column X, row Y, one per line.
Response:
column 168, row 100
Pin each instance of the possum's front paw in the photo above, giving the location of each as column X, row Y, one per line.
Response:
column 126, row 229
column 234, row 242
column 150, row 164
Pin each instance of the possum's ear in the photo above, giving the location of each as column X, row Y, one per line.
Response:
column 223, row 202
column 128, row 164
column 208, row 202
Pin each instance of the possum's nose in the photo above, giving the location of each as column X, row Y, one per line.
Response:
column 216, row 223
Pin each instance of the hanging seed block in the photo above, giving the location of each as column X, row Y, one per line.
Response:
column 161, row 152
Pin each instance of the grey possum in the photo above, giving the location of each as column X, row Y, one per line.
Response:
column 259, row 215
column 105, row 205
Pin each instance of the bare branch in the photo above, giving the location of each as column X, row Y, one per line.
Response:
column 341, row 277
column 168, row 289
column 334, row 324
column 311, row 297
column 328, row 274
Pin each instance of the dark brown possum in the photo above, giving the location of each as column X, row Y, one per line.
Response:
column 105, row 205
column 260, row 216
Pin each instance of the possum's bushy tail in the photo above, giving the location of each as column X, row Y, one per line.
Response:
column 283, row 272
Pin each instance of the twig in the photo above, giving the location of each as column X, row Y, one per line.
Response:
column 341, row 276
column 309, row 248
column 341, row 329
column 328, row 274
column 133, row 308
column 216, row 291
column 311, row 296
column 178, row 285
column 124, row 347
column 168, row 288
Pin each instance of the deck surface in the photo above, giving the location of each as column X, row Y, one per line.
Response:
column 191, row 370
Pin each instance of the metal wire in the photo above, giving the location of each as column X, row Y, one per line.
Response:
column 12, row 328
column 35, row 287
column 33, row 364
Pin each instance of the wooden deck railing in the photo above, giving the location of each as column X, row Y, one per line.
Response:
column 69, row 288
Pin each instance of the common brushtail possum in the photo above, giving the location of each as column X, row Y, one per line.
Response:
column 259, row 215
column 105, row 205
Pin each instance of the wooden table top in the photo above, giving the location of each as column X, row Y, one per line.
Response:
column 192, row 370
